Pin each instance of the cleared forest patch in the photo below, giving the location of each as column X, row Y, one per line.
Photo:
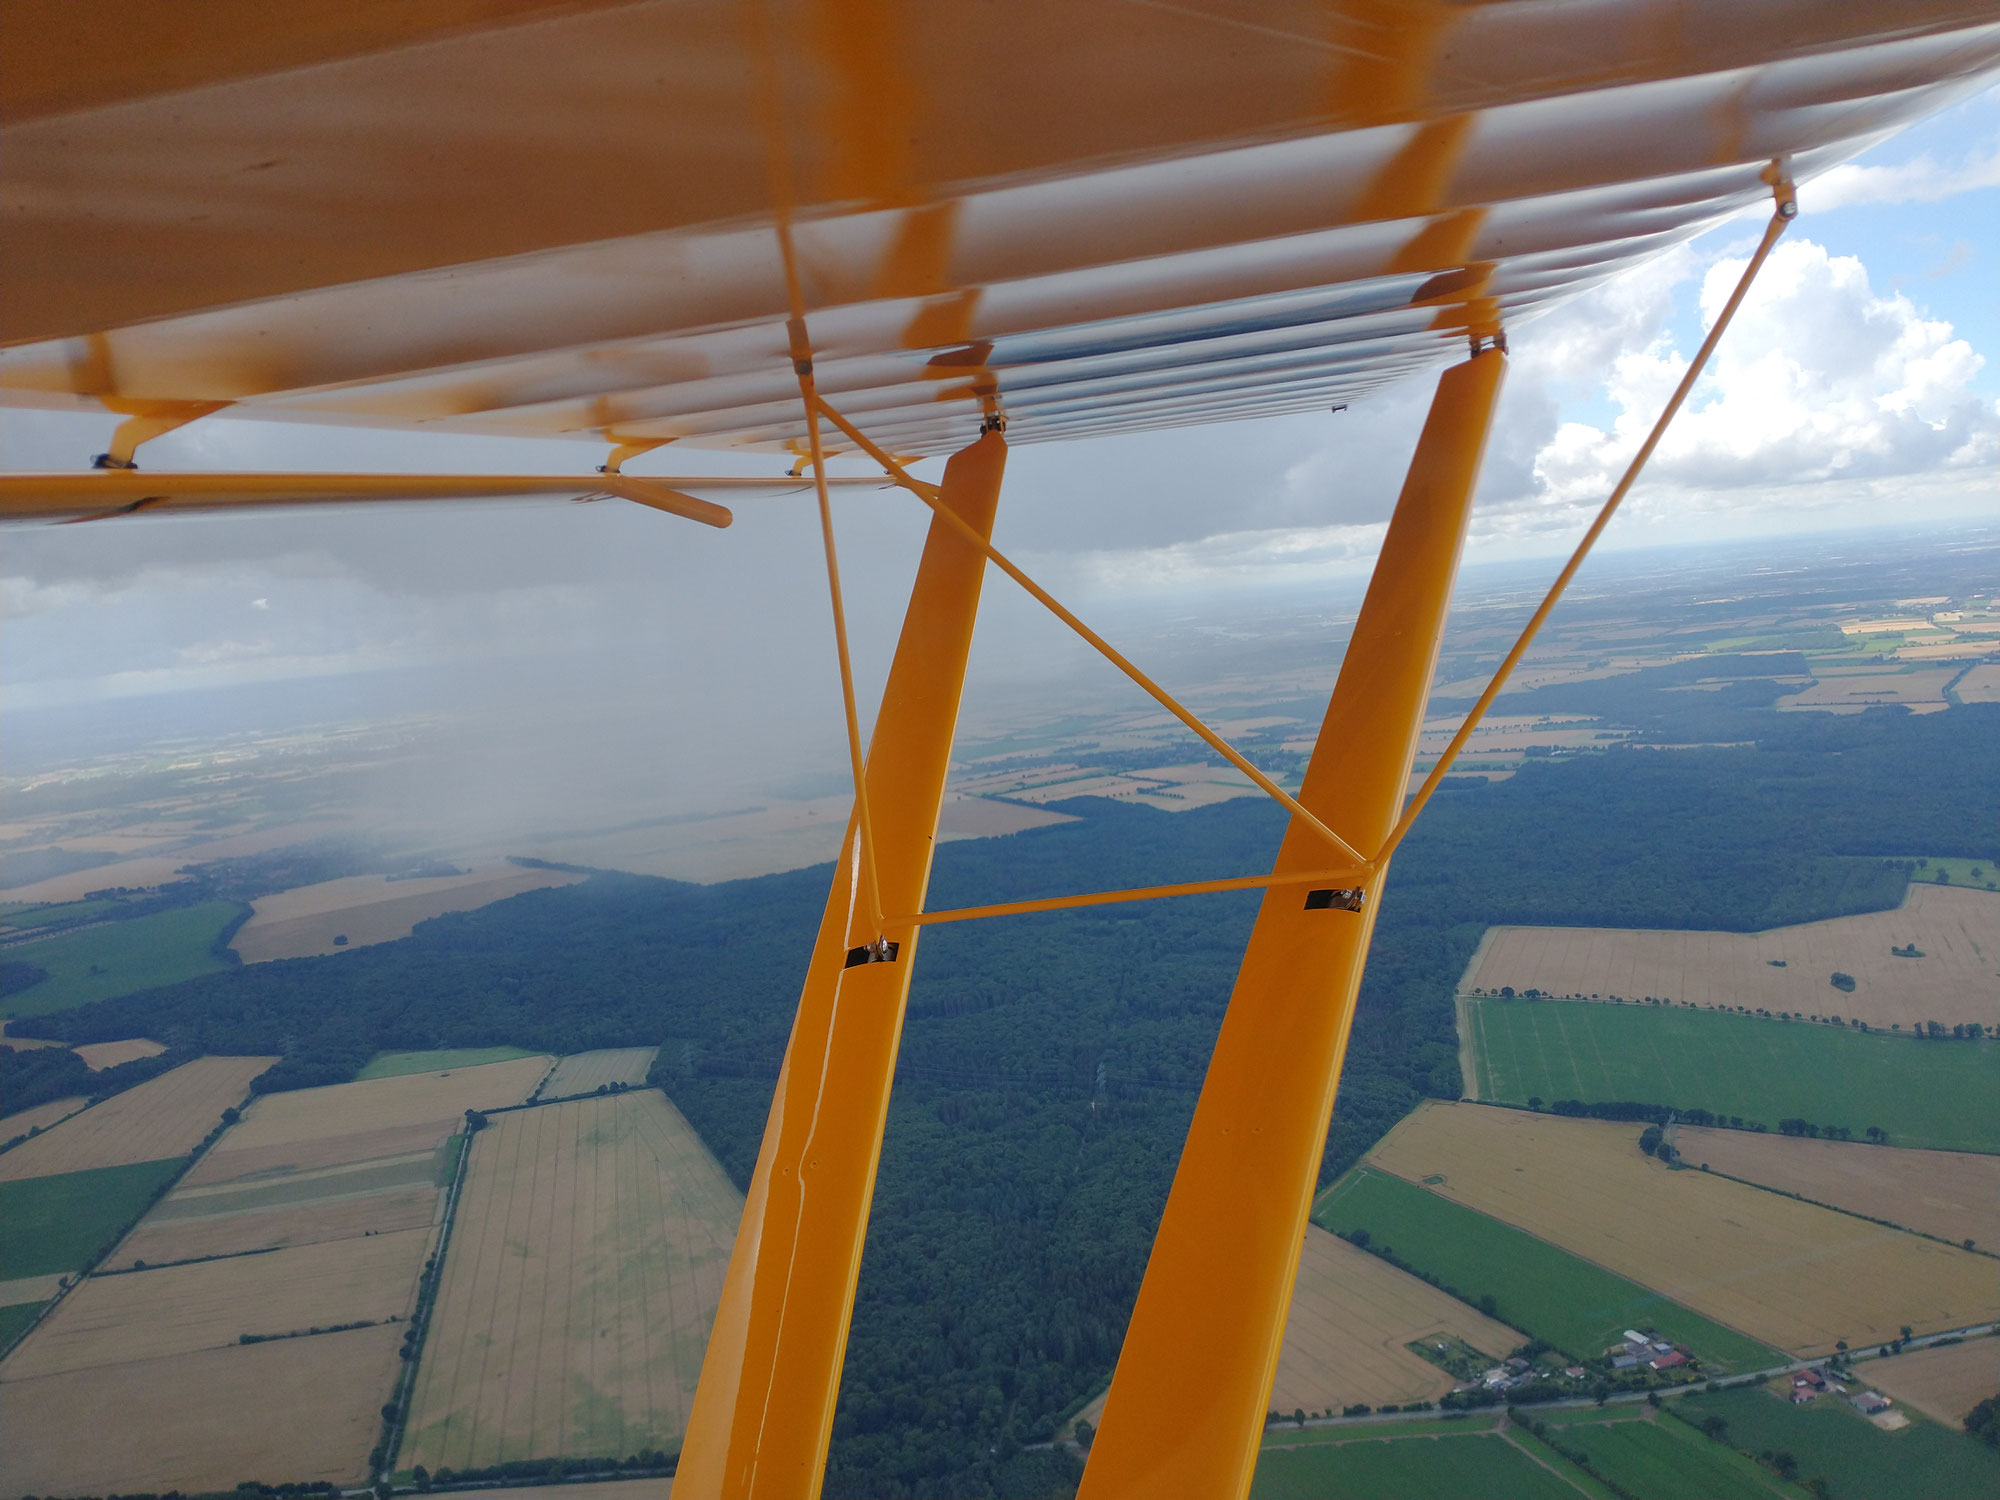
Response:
column 97, row 1056
column 145, row 1315
column 163, row 1117
column 1352, row 1320
column 583, row 1071
column 1952, row 977
column 1791, row 1274
column 585, row 1266
column 1954, row 1195
column 367, row 909
column 1943, row 1384
column 301, row 1409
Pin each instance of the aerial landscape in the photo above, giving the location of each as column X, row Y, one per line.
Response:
column 1077, row 750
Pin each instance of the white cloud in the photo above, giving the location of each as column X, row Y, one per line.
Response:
column 1921, row 179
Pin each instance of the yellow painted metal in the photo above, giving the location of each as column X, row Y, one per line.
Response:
column 1132, row 893
column 764, row 1409
column 1785, row 212
column 1187, row 1403
column 931, row 496
column 115, row 492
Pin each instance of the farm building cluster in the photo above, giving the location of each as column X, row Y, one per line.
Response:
column 1638, row 1349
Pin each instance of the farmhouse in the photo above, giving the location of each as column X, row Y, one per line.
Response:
column 1872, row 1402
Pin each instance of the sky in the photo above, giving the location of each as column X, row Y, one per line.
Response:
column 1857, row 388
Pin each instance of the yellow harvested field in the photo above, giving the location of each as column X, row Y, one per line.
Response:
column 1353, row 1316
column 1794, row 1275
column 97, row 1056
column 303, row 1409
column 1957, row 979
column 1954, row 1195
column 1852, row 692
column 145, row 1315
column 39, row 1116
column 983, row 818
column 581, row 1072
column 1980, row 685
column 159, row 1240
column 229, row 1163
column 1944, row 1384
column 580, row 1283
column 307, row 1116
column 368, row 909
column 163, row 1117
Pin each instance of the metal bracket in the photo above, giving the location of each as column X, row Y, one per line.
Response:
column 881, row 951
column 1347, row 898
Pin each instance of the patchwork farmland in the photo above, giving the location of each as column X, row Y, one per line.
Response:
column 1942, row 1383
column 582, row 1072
column 1790, row 1274
column 366, row 909
column 1352, row 1319
column 316, row 1212
column 163, row 1117
column 1954, row 1195
column 1941, row 1094
column 1952, row 977
column 586, row 1261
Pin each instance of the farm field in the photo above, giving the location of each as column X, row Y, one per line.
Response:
column 345, row 1161
column 1944, row 1384
column 117, row 958
column 1547, row 1292
column 611, row 1489
column 1957, row 978
column 1943, row 1094
column 1789, row 1274
column 62, row 1222
column 1852, row 692
column 296, row 1410
column 39, row 1116
column 1352, row 1316
column 146, row 1315
column 162, row 1117
column 1954, row 1195
column 1483, row 1465
column 1983, row 874
column 1667, row 1460
column 1858, row 1459
column 583, row 1071
column 368, row 909
column 399, row 1064
column 97, row 1056
column 584, row 1269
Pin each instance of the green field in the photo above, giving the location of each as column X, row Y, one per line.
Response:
column 1287, row 1435
column 1980, row 874
column 118, row 958
column 1667, row 1460
column 1544, row 1291
column 1469, row 1467
column 1943, row 1094
column 1858, row 1460
column 20, row 916
column 16, row 1316
column 50, row 1224
column 396, row 1064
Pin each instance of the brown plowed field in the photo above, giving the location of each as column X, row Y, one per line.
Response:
column 97, row 1056
column 1956, row 980
column 163, row 1117
column 1952, row 1194
column 115, row 1320
column 584, row 1071
column 442, row 1098
column 1353, row 1314
column 1794, row 1275
column 1943, row 1384
column 369, row 909
column 582, row 1278
column 162, row 1240
column 303, row 1409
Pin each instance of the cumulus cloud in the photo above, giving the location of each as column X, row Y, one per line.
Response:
column 1921, row 179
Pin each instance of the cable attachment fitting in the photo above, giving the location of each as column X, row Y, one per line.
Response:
column 1481, row 342
column 110, row 461
column 1351, row 898
column 993, row 422
column 881, row 951
column 1779, row 179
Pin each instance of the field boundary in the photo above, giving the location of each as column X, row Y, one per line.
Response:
column 26, row 1136
column 78, row 1277
column 1971, row 1248
column 395, row 1426
column 1468, row 1049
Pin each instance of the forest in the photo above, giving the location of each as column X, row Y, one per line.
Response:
column 1050, row 1063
